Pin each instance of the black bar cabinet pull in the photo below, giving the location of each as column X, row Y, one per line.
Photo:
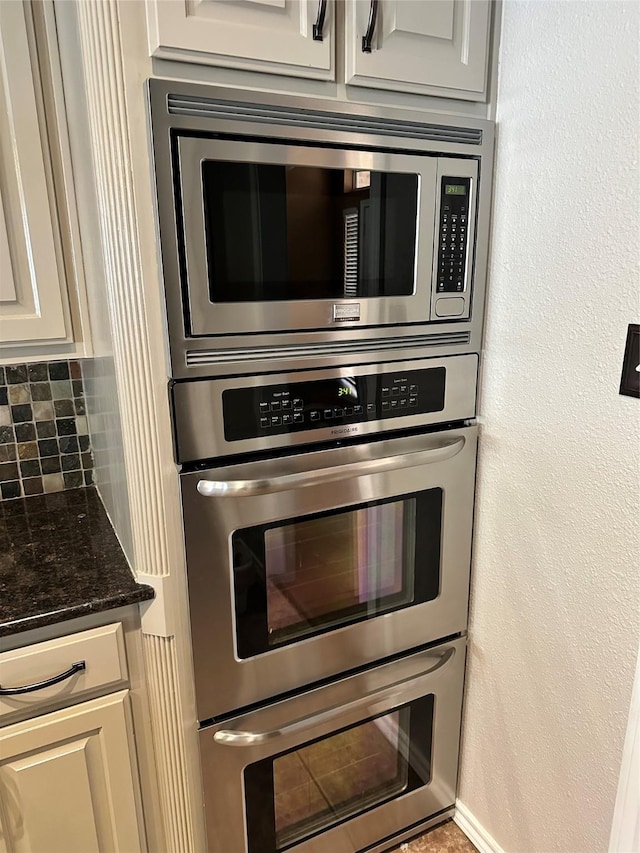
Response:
column 371, row 27
column 56, row 679
column 319, row 24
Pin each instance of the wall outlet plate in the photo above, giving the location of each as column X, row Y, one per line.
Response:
column 630, row 379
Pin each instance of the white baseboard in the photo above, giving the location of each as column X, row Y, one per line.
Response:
column 474, row 831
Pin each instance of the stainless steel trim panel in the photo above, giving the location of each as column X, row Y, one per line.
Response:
column 281, row 356
column 297, row 117
column 198, row 411
column 210, row 522
column 320, row 712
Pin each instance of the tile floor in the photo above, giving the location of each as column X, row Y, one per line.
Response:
column 446, row 838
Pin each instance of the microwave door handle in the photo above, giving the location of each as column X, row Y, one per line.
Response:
column 373, row 702
column 300, row 479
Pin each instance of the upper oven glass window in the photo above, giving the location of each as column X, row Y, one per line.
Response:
column 278, row 232
column 305, row 576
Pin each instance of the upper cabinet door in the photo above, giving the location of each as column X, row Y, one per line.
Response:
column 427, row 47
column 32, row 288
column 293, row 37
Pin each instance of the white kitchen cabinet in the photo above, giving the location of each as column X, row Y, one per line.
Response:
column 424, row 47
column 67, row 781
column 427, row 47
column 260, row 35
column 71, row 768
column 31, row 294
column 40, row 309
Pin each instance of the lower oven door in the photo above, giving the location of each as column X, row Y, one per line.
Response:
column 305, row 567
column 340, row 767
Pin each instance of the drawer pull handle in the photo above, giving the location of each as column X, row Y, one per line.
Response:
column 55, row 679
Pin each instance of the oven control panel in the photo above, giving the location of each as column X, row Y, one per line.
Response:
column 454, row 223
column 322, row 403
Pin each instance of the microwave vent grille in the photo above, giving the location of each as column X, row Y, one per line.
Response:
column 188, row 105
column 248, row 355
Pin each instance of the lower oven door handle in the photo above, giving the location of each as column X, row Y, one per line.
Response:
column 371, row 702
column 243, row 488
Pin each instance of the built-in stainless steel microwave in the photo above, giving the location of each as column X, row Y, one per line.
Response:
column 308, row 227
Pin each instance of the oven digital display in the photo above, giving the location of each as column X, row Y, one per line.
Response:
column 266, row 410
column 347, row 391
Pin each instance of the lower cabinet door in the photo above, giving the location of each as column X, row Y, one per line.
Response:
column 68, row 781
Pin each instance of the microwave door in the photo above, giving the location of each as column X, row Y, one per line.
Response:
column 289, row 238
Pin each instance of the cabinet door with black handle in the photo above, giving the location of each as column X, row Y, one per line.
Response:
column 68, row 781
column 430, row 48
column 291, row 37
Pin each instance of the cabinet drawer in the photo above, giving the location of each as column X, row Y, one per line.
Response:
column 101, row 650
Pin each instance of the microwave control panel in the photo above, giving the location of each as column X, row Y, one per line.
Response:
column 318, row 404
column 453, row 237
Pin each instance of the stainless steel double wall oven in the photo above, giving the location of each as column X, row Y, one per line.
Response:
column 324, row 272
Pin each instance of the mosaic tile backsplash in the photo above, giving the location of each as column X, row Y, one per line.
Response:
column 44, row 438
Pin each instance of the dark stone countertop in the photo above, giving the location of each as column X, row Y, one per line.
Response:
column 60, row 559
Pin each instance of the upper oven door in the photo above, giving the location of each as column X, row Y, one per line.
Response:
column 282, row 238
column 304, row 567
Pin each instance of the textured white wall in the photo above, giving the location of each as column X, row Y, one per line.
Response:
column 555, row 599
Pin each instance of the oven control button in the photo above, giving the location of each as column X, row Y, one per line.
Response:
column 395, row 404
column 413, row 389
column 371, row 408
column 264, row 422
column 403, row 389
column 328, row 414
column 297, row 405
column 276, row 420
column 275, row 407
column 385, row 405
column 298, row 418
column 395, row 392
column 264, row 407
column 413, row 401
column 348, row 411
column 286, row 405
column 287, row 419
column 315, row 416
column 357, row 410
column 338, row 413
column 403, row 402
column 385, row 392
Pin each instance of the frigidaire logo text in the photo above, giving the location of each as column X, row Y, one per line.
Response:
column 344, row 430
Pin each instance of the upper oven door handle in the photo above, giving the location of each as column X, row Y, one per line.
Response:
column 300, row 479
column 376, row 702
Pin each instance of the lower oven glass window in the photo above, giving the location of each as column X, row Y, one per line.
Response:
column 307, row 575
column 299, row 794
